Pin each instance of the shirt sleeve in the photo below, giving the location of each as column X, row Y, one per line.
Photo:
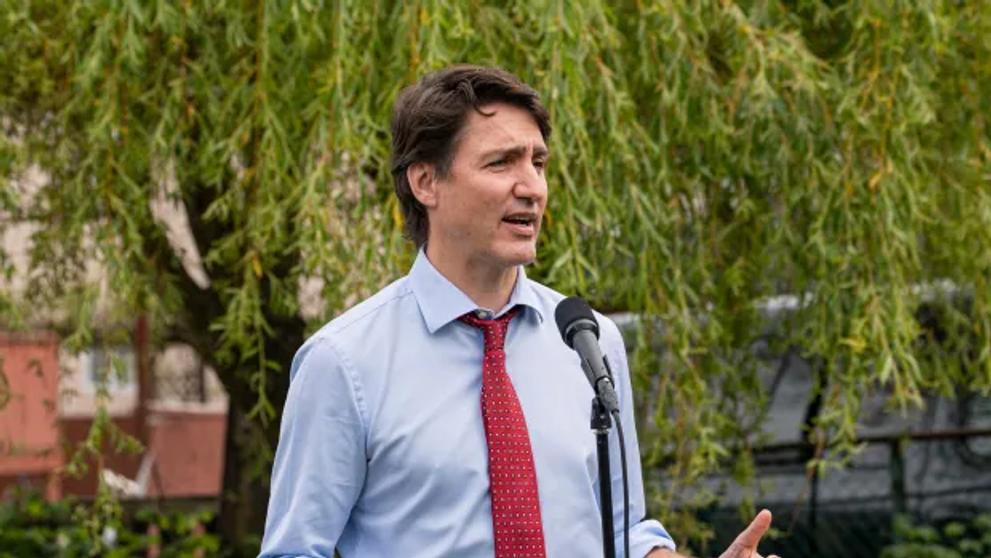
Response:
column 645, row 534
column 320, row 463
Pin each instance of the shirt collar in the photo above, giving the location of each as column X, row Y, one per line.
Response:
column 441, row 302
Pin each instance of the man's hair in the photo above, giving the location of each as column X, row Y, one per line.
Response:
column 429, row 117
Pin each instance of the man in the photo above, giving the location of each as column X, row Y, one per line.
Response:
column 444, row 416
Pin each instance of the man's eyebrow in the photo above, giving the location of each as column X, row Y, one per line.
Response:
column 514, row 151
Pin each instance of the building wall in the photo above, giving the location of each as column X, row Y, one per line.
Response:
column 75, row 431
column 49, row 413
column 184, row 443
column 29, row 428
column 188, row 450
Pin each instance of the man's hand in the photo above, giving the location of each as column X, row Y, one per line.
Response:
column 745, row 545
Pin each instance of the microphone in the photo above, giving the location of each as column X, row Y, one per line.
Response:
column 580, row 331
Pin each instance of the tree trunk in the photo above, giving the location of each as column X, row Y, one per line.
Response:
column 250, row 445
column 244, row 497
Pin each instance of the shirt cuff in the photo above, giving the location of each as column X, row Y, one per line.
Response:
column 644, row 537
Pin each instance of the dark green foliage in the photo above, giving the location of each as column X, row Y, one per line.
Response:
column 29, row 526
column 954, row 539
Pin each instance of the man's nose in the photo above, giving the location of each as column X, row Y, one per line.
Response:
column 530, row 184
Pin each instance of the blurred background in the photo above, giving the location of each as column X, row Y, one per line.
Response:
column 785, row 205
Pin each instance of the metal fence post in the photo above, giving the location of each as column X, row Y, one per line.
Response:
column 896, row 469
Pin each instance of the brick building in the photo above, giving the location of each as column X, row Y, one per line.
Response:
column 163, row 396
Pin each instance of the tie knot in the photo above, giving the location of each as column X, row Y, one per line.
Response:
column 494, row 330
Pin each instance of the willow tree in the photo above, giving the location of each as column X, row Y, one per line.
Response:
column 706, row 155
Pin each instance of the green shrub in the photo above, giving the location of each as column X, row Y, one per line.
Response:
column 30, row 526
column 953, row 539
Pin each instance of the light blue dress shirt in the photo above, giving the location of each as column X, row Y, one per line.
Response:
column 382, row 450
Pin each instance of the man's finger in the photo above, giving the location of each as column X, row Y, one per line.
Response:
column 748, row 539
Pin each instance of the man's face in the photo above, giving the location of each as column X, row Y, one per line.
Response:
column 488, row 208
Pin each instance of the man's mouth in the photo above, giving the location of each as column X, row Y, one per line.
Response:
column 520, row 223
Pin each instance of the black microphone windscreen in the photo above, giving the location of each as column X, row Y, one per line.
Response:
column 571, row 310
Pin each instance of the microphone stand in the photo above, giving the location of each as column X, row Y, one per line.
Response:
column 601, row 423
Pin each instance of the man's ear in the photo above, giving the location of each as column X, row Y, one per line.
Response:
column 422, row 179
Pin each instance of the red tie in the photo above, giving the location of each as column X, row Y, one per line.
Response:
column 512, row 476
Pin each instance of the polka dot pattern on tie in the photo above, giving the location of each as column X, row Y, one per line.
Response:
column 513, row 479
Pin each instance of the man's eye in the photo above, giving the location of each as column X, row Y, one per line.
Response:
column 540, row 164
column 498, row 163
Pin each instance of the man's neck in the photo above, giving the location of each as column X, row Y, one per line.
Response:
column 489, row 286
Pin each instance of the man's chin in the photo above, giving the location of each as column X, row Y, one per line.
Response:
column 520, row 257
